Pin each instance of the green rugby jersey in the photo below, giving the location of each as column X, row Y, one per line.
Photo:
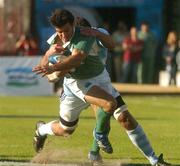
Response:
column 92, row 65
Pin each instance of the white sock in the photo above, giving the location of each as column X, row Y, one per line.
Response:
column 46, row 129
column 139, row 139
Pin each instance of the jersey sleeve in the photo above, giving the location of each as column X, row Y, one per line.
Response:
column 51, row 40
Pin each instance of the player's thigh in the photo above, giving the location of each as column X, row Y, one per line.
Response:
column 107, row 86
column 99, row 97
column 102, row 91
column 105, row 83
column 70, row 109
column 89, row 90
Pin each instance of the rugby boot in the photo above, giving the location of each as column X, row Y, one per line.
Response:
column 161, row 161
column 103, row 142
column 95, row 158
column 38, row 140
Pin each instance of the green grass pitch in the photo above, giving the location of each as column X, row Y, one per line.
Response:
column 158, row 115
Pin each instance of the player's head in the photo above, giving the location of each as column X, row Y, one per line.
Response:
column 63, row 21
column 80, row 21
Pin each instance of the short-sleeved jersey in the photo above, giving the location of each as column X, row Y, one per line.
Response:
column 92, row 65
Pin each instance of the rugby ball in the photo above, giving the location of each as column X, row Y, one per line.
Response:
column 53, row 59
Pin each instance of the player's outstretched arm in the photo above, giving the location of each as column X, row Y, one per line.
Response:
column 105, row 38
column 71, row 62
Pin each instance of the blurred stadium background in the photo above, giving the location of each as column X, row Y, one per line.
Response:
column 18, row 17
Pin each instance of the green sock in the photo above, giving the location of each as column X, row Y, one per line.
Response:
column 102, row 120
column 95, row 148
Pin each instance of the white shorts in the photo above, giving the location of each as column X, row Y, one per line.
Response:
column 80, row 87
column 72, row 100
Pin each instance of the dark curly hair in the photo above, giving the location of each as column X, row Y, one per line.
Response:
column 60, row 17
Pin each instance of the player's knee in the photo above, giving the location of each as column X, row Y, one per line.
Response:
column 59, row 130
column 68, row 132
column 110, row 106
column 68, row 127
column 64, row 132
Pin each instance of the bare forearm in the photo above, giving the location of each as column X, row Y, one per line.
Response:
column 44, row 60
column 73, row 61
column 106, row 40
column 67, row 64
